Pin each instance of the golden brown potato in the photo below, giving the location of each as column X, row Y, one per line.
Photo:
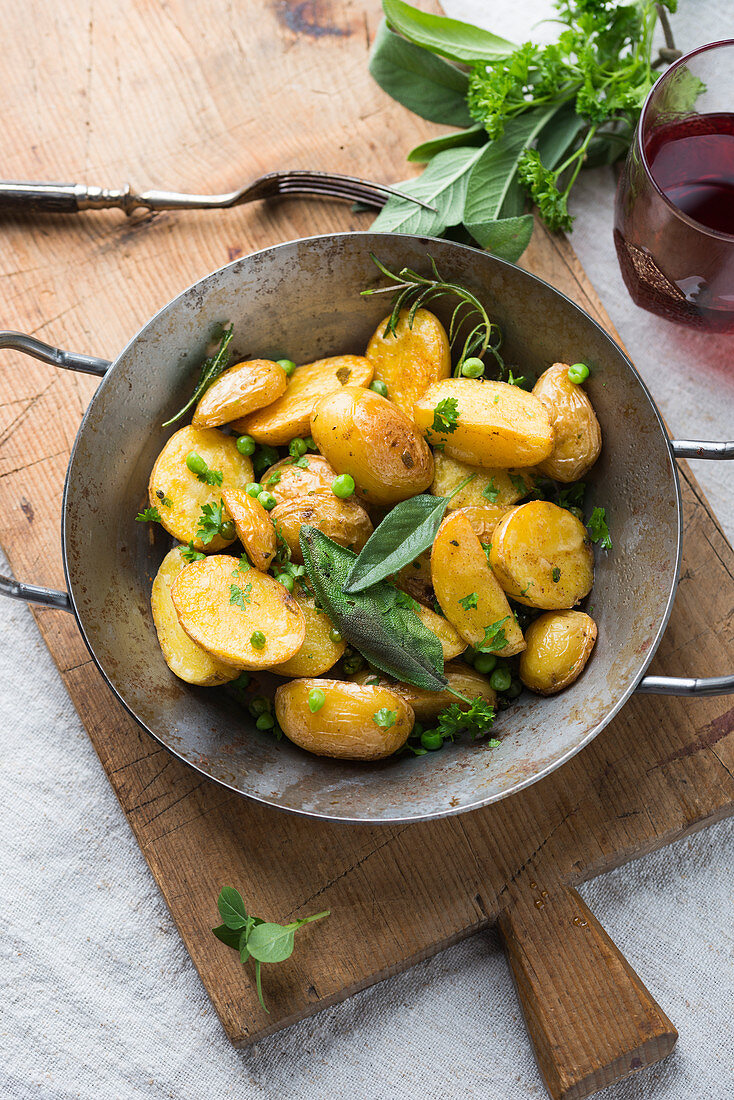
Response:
column 489, row 486
column 344, row 521
column 451, row 641
column 493, row 424
column 408, row 361
column 416, row 579
column 559, row 644
column 253, row 526
column 318, row 652
column 171, row 481
column 365, row 435
column 469, row 595
column 286, row 481
column 288, row 417
column 223, row 608
column 354, row 723
column 185, row 658
column 427, row 705
column 484, row 518
column 542, row 556
column 576, row 431
column 240, row 390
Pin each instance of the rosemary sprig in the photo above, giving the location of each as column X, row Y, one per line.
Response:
column 211, row 368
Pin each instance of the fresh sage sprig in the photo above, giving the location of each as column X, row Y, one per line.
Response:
column 404, row 533
column 211, row 368
column 256, row 939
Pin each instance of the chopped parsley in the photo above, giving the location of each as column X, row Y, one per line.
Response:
column 512, row 381
column 213, row 523
column 556, row 574
column 189, row 554
column 573, row 496
column 148, row 515
column 211, row 477
column 598, row 529
column 469, row 602
column 477, row 720
column 491, row 492
column 240, row 596
column 274, row 478
column 446, row 415
column 385, row 718
column 494, row 637
column 164, row 500
column 519, row 482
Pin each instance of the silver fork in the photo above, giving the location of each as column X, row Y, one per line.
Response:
column 18, row 197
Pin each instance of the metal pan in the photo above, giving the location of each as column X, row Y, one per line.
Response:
column 302, row 298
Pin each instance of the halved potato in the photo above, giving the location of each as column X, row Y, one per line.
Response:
column 542, row 556
column 318, row 652
column 490, row 423
column 484, row 519
column 344, row 521
column 427, row 705
column 352, row 724
column 185, row 658
column 559, row 643
column 576, row 431
column 469, row 595
column 411, row 359
column 179, row 495
column 490, row 485
column 287, row 481
column 254, row 527
column 416, row 579
column 221, row 607
column 239, row 390
column 365, row 435
column 451, row 641
column 288, row 417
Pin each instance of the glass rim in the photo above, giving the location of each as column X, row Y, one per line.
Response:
column 699, row 226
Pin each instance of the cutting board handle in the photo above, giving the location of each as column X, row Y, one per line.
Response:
column 591, row 1020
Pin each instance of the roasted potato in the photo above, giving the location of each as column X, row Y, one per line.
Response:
column 427, row 705
column 254, row 527
column 416, row 579
column 224, row 609
column 490, row 424
column 559, row 643
column 411, row 359
column 344, row 521
column 240, row 390
column 465, row 587
column 542, row 556
column 288, row 417
column 286, row 481
column 185, row 658
column 352, row 724
column 576, row 431
column 489, row 485
column 365, row 435
column 318, row 652
column 179, row 495
column 451, row 641
column 484, row 518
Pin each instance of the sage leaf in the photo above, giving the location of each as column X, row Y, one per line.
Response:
column 425, row 84
column 506, row 238
column 232, row 908
column 447, row 37
column 230, row 936
column 388, row 635
column 475, row 135
column 442, row 185
column 404, row 533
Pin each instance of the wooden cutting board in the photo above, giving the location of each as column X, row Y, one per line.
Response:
column 202, row 97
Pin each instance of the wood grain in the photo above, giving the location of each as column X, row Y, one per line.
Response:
column 202, row 97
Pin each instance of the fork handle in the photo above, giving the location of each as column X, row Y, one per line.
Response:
column 21, row 197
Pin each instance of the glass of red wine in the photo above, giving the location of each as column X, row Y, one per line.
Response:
column 674, row 217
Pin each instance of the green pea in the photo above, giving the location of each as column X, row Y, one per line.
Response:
column 242, row 681
column 514, row 689
column 343, row 486
column 431, row 740
column 259, row 705
column 485, row 662
column 316, row 699
column 196, row 463
column 267, row 500
column 253, row 488
column 578, row 373
column 246, row 445
column 227, row 530
column 379, row 387
column 287, row 364
column 335, row 635
column 265, row 722
column 353, row 663
column 286, row 580
column 257, row 639
column 297, row 448
column 472, row 367
column 500, row 679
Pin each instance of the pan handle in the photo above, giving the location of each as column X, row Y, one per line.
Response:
column 692, row 685
column 66, row 360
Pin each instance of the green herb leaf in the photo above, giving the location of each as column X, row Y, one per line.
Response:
column 385, row 718
column 274, row 478
column 494, row 638
column 447, row 37
column 556, row 574
column 165, row 501
column 240, row 597
column 189, row 554
column 211, row 522
column 210, row 370
column 599, row 530
column 148, row 515
column 477, row 720
column 469, row 602
column 519, row 483
column 273, row 943
column 506, row 238
column 211, row 477
column 446, row 416
column 232, row 908
column 442, row 185
column 230, row 936
column 573, row 496
column 491, row 492
column 474, row 135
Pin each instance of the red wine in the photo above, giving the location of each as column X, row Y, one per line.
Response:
column 692, row 162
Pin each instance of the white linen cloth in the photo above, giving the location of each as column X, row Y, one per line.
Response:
column 98, row 997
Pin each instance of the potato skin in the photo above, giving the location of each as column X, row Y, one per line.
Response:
column 239, row 390
column 484, row 519
column 415, row 579
column 505, row 486
column 344, row 727
column 286, row 481
column 530, row 543
column 365, row 435
column 253, row 526
column 576, row 431
column 171, row 478
column 185, row 658
column 427, row 705
column 201, row 595
column 451, row 641
column 344, row 521
column 514, row 430
column 559, row 643
column 411, row 359
column 288, row 416
column 459, row 567
column 318, row 653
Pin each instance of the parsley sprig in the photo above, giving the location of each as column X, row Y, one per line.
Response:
column 214, row 521
column 149, row 515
